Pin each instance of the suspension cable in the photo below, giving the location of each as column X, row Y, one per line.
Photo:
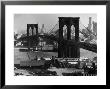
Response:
column 87, row 29
column 53, row 27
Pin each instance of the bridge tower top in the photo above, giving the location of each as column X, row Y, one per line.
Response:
column 69, row 21
column 31, row 28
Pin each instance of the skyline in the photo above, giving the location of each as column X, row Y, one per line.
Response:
column 49, row 20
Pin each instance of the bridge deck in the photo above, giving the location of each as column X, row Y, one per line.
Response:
column 84, row 45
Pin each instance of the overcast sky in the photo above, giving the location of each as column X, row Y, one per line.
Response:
column 49, row 20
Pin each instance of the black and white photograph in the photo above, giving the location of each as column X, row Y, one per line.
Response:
column 55, row 44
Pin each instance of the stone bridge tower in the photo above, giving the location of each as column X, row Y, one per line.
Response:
column 32, row 34
column 70, row 51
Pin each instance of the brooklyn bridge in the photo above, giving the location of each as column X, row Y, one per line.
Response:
column 66, row 37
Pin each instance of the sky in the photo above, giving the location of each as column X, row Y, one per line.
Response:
column 49, row 20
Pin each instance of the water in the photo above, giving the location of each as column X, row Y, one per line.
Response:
column 23, row 56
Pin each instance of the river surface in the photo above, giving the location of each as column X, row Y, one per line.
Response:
column 23, row 56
